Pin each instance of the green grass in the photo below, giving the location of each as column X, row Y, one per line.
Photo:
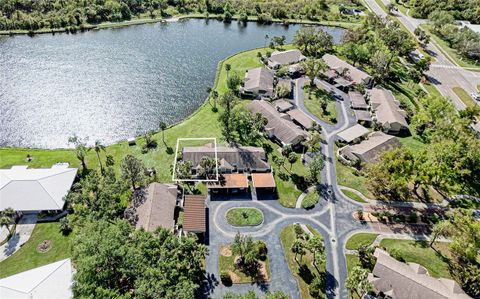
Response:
column 312, row 103
column 227, row 264
column 27, row 257
column 304, row 277
column 411, row 143
column 361, row 239
column 346, row 177
column 432, row 90
column 311, row 199
column 464, row 96
column 244, row 216
column 353, row 196
column 419, row 252
column 352, row 261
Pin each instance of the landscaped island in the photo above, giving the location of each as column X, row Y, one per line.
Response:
column 244, row 216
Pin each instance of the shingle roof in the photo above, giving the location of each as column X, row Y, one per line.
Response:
column 158, row 209
column 230, row 181
column 283, row 105
column 242, row 157
column 285, row 57
column 38, row 189
column 357, row 100
column 356, row 75
column 370, row 149
column 353, row 133
column 362, row 115
column 284, row 130
column 263, row 180
column 50, row 281
column 386, row 107
column 406, row 281
column 259, row 79
column 300, row 117
column 194, row 214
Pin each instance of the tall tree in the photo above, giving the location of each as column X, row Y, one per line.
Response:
column 298, row 247
column 316, row 246
column 81, row 150
column 315, row 167
column 7, row 217
column 357, row 281
column 228, row 102
column 99, row 147
column 314, row 68
column 162, row 126
column 133, row 170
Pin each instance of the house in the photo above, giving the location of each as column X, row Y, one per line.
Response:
column 159, row 207
column 194, row 214
column 345, row 73
column 370, row 150
column 357, row 101
column 363, row 117
column 35, row 189
column 258, row 82
column 230, row 159
column 299, row 117
column 410, row 280
column 353, row 134
column 263, row 182
column 279, row 128
column 387, row 111
column 284, row 58
column 295, row 70
column 229, row 183
column 49, row 281
column 283, row 105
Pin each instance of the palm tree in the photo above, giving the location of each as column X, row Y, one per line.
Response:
column 315, row 245
column 266, row 39
column 98, row 148
column 314, row 68
column 162, row 126
column 228, row 67
column 298, row 248
column 6, row 217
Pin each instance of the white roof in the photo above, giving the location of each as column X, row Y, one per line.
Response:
column 51, row 281
column 353, row 133
column 38, row 189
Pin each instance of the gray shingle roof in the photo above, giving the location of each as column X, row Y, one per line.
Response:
column 158, row 209
column 356, row 75
column 285, row 57
column 370, row 149
column 386, row 108
column 259, row 79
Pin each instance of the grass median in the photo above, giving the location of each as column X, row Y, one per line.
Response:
column 244, row 217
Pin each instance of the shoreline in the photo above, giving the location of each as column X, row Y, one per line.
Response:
column 173, row 19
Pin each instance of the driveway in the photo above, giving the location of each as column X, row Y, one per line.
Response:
column 23, row 232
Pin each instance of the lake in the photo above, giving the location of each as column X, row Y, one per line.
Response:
column 112, row 84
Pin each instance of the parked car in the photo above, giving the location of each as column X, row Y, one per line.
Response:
column 475, row 96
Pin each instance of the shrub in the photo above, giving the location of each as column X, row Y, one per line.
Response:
column 262, row 250
column 225, row 278
column 64, row 226
column 360, row 214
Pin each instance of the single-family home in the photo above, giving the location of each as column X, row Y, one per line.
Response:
column 353, row 134
column 35, row 189
column 343, row 74
column 284, row 58
column 159, row 207
column 387, row 111
column 370, row 150
column 278, row 127
column 195, row 215
column 258, row 82
column 49, row 281
column 410, row 280
column 357, row 101
column 283, row 105
column 299, row 117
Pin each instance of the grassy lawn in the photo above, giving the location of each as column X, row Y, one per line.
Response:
column 464, row 96
column 311, row 199
column 346, row 177
column 353, row 195
column 244, row 216
column 358, row 240
column 27, row 257
column 313, row 104
column 421, row 253
column 226, row 263
column 352, row 261
column 411, row 143
column 432, row 90
column 303, row 270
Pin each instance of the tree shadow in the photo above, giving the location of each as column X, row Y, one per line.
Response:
column 305, row 273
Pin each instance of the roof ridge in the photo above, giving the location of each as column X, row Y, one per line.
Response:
column 154, row 192
column 51, row 197
column 66, row 260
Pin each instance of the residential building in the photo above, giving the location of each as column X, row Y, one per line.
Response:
column 283, row 105
column 49, row 281
column 353, row 134
column 258, row 82
column 278, row 127
column 284, row 58
column 35, row 189
column 195, row 215
column 159, row 207
column 370, row 150
column 300, row 118
column 229, row 183
column 343, row 74
column 387, row 111
column 399, row 280
column 357, row 101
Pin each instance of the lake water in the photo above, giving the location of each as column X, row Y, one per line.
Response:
column 113, row 84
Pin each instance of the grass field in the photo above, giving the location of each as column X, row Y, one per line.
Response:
column 312, row 103
column 27, row 257
column 419, row 252
column 303, row 270
column 361, row 239
column 311, row 199
column 346, row 177
column 226, row 263
column 244, row 216
column 353, row 195
column 464, row 96
column 411, row 143
column 432, row 90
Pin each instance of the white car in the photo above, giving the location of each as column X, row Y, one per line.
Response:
column 475, row 96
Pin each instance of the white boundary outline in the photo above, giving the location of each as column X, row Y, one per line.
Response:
column 176, row 156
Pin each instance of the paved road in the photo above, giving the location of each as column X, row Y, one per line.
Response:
column 443, row 73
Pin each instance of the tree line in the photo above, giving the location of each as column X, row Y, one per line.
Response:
column 77, row 14
column 459, row 9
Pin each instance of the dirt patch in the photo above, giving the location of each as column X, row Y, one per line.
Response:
column 226, row 251
column 234, row 277
column 44, row 246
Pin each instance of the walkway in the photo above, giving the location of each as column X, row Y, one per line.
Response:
column 22, row 233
